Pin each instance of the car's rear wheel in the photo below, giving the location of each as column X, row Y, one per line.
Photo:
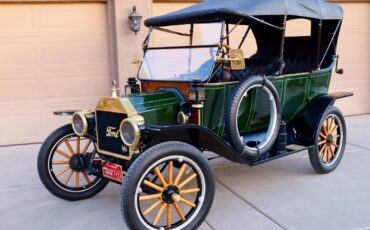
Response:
column 330, row 141
column 62, row 162
column 169, row 186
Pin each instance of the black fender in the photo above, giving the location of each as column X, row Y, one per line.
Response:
column 306, row 123
column 198, row 136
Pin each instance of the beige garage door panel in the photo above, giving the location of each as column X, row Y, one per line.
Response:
column 354, row 51
column 53, row 57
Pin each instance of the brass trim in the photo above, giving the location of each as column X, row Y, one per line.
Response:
column 221, row 83
column 294, row 74
column 181, row 116
column 176, row 197
column 114, row 154
column 82, row 115
column 277, row 77
column 117, row 105
column 197, row 106
column 134, row 122
column 237, row 59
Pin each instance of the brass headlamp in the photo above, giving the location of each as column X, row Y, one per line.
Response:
column 83, row 121
column 130, row 130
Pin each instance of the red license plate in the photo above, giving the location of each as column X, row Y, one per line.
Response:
column 112, row 171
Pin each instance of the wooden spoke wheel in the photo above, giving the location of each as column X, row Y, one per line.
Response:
column 62, row 164
column 330, row 141
column 168, row 192
column 67, row 163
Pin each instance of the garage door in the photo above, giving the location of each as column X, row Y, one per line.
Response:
column 52, row 57
column 354, row 50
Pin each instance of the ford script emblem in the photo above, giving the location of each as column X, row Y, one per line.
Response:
column 112, row 132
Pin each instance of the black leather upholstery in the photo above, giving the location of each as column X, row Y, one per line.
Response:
column 270, row 67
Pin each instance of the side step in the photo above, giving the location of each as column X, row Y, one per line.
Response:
column 269, row 156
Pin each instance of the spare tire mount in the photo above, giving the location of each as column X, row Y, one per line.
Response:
column 231, row 121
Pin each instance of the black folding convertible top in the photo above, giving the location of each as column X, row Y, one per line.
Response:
column 216, row 10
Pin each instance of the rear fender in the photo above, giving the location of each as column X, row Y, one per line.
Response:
column 307, row 122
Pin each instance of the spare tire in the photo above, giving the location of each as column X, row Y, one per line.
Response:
column 231, row 118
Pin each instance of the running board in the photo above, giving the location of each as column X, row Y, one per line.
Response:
column 269, row 156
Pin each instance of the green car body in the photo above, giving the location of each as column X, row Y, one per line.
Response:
column 295, row 92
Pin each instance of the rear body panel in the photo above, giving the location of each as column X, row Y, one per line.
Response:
column 294, row 91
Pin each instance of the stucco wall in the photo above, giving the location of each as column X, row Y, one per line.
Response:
column 129, row 45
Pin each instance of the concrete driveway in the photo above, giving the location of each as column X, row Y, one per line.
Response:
column 282, row 194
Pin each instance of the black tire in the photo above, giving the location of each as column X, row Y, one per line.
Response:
column 165, row 153
column 231, row 118
column 48, row 176
column 324, row 161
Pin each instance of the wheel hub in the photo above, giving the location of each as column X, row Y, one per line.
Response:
column 329, row 139
column 77, row 162
column 170, row 194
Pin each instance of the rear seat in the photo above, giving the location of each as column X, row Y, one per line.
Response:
column 253, row 66
column 268, row 66
column 298, row 64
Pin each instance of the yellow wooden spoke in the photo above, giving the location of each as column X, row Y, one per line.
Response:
column 323, row 136
column 60, row 162
column 187, row 180
column 160, row 176
column 159, row 214
column 332, row 152
column 170, row 172
column 327, row 154
column 334, row 129
column 86, row 178
column 322, row 142
column 153, row 186
column 179, row 174
column 62, row 171
column 86, row 147
column 185, row 201
column 69, row 147
column 179, row 212
column 63, row 153
column 324, row 154
column 68, row 177
column 77, row 180
column 78, row 143
column 150, row 197
column 322, row 149
column 169, row 215
column 331, row 123
column 336, row 136
column 190, row 190
column 336, row 146
column 324, row 125
column 152, row 207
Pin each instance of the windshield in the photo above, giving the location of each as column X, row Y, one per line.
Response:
column 181, row 55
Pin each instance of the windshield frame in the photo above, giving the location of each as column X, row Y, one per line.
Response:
column 190, row 46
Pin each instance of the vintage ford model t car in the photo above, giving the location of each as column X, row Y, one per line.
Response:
column 205, row 96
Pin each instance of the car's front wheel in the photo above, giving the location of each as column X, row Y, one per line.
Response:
column 62, row 162
column 169, row 186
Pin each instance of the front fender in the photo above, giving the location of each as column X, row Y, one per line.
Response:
column 198, row 136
